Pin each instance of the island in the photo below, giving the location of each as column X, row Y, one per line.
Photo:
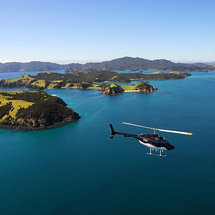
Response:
column 115, row 89
column 33, row 110
column 38, row 110
column 90, row 80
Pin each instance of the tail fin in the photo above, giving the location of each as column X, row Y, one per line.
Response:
column 112, row 131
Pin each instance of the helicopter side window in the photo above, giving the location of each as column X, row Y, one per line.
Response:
column 157, row 143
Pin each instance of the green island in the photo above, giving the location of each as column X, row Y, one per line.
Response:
column 33, row 110
column 115, row 89
column 90, row 80
column 39, row 110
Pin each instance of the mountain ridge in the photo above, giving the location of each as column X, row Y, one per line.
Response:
column 125, row 63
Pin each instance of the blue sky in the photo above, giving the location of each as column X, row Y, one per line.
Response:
column 65, row 31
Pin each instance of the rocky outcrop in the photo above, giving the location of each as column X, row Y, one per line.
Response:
column 145, row 87
column 111, row 89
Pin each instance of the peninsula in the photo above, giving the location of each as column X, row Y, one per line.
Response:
column 33, row 110
column 84, row 80
column 39, row 110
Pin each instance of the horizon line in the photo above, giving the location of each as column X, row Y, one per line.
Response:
column 64, row 62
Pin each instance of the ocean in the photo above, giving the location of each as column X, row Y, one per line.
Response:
column 78, row 169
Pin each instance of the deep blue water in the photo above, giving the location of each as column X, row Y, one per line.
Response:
column 77, row 169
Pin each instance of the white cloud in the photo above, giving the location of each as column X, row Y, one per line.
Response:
column 5, row 60
column 2, row 60
column 8, row 60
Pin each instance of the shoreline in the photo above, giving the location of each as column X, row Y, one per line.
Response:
column 98, row 88
column 55, row 125
column 130, row 91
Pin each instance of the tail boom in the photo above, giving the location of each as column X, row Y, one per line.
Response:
column 112, row 131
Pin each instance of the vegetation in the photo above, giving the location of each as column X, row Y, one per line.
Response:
column 82, row 80
column 111, row 89
column 155, row 75
column 128, row 87
column 33, row 110
column 4, row 110
column 145, row 87
column 212, row 64
column 140, row 87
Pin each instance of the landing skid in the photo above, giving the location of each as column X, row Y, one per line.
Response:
column 160, row 155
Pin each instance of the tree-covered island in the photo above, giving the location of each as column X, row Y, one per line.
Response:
column 39, row 110
column 84, row 80
column 33, row 110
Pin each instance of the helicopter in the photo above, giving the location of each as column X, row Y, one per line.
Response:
column 151, row 140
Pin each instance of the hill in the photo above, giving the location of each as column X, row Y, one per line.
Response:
column 133, row 64
column 212, row 64
column 33, row 110
column 125, row 63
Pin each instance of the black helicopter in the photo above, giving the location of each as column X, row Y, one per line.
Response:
column 153, row 141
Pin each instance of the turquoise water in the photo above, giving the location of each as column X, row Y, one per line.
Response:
column 77, row 169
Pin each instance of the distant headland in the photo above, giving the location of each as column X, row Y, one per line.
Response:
column 33, row 110
column 125, row 63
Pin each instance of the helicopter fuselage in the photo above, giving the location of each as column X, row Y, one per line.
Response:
column 153, row 141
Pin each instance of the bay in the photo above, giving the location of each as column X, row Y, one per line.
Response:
column 77, row 169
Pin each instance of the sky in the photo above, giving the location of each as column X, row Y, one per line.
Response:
column 80, row 31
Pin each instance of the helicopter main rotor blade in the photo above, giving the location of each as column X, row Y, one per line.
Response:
column 141, row 126
column 176, row 132
column 158, row 129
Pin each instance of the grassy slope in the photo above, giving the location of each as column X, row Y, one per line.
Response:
column 33, row 110
column 16, row 104
column 83, row 80
column 39, row 83
column 130, row 87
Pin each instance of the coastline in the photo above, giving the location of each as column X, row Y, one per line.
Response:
column 97, row 88
column 130, row 91
column 55, row 125
column 33, row 110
